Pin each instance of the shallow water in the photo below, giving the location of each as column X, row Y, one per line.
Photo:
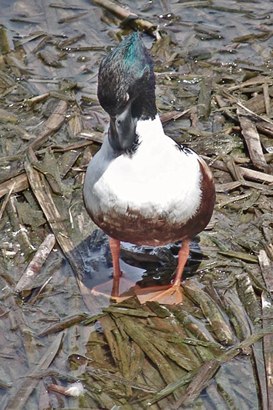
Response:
column 234, row 34
column 203, row 41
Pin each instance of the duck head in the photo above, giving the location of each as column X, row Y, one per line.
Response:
column 126, row 90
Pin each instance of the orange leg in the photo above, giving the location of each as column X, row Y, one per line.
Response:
column 112, row 288
column 173, row 294
column 115, row 252
column 170, row 294
column 182, row 260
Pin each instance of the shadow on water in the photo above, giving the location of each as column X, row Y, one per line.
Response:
column 212, row 54
column 141, row 265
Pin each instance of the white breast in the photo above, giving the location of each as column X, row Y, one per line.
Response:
column 158, row 179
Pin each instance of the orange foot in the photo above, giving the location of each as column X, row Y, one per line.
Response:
column 170, row 294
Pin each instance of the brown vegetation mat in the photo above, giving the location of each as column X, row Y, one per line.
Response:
column 214, row 350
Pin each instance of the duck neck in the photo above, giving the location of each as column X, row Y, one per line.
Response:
column 149, row 128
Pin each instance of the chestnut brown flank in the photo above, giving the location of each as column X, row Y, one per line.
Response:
column 135, row 228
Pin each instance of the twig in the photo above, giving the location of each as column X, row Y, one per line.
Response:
column 198, row 383
column 232, row 200
column 255, row 116
column 52, row 124
column 132, row 18
column 225, row 357
column 37, row 295
column 36, row 264
column 174, row 115
column 256, row 175
column 260, row 80
column 43, row 194
column 6, row 200
column 245, row 172
column 70, row 321
column 267, row 345
column 252, row 139
column 22, row 393
column 266, row 100
column 17, row 184
column 20, row 230
column 266, row 268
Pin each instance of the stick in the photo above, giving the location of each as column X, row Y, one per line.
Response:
column 21, row 232
column 35, row 266
column 268, row 347
column 6, row 200
column 198, row 383
column 42, row 192
column 52, row 124
column 23, row 390
column 245, row 172
column 133, row 20
column 17, row 184
column 266, row 268
column 252, row 139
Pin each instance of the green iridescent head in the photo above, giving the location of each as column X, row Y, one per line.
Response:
column 126, row 74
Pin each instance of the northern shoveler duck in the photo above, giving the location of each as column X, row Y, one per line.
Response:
column 142, row 187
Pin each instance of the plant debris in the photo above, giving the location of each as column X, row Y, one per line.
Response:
column 64, row 346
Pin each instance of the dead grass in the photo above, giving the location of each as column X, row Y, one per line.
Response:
column 214, row 350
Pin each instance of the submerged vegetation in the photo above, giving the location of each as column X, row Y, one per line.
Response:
column 64, row 347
